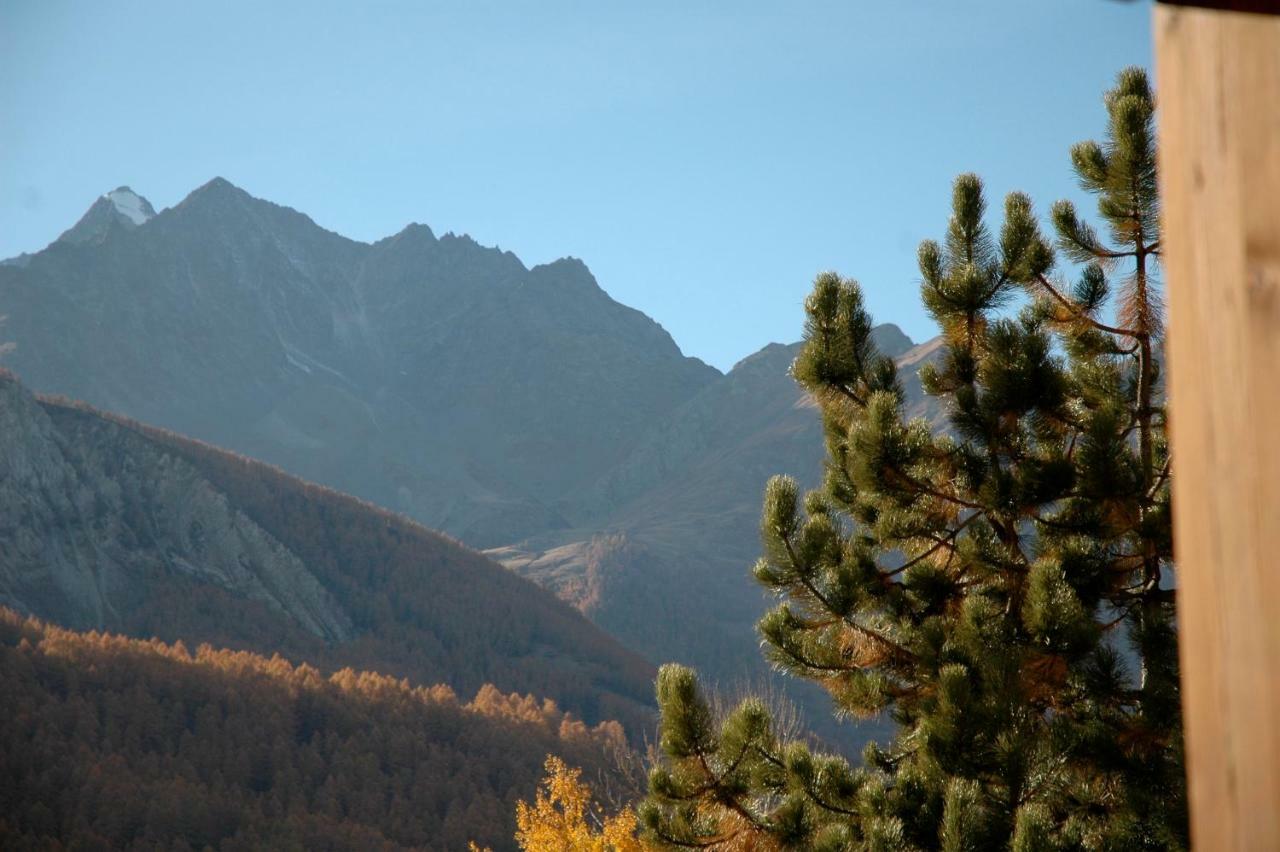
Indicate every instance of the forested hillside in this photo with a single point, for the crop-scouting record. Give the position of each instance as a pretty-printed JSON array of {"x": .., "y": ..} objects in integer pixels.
[
  {"x": 111, "y": 524},
  {"x": 112, "y": 743}
]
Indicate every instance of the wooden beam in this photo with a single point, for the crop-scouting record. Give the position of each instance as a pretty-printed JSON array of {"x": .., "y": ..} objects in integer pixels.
[
  {"x": 1218, "y": 84},
  {"x": 1260, "y": 7}
]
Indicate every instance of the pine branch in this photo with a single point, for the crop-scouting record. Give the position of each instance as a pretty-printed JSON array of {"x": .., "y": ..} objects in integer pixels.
[
  {"x": 932, "y": 492},
  {"x": 1071, "y": 306},
  {"x": 822, "y": 599},
  {"x": 946, "y": 541}
]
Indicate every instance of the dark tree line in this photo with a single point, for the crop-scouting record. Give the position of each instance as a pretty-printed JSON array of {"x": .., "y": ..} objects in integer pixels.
[{"x": 110, "y": 743}]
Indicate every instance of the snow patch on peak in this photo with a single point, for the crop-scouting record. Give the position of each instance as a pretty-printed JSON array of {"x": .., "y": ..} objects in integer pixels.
[{"x": 130, "y": 205}]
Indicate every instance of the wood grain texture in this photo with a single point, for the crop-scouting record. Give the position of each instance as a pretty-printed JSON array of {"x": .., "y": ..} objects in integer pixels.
[{"x": 1218, "y": 76}]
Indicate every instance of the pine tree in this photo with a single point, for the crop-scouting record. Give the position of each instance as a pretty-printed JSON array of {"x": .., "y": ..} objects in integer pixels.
[{"x": 1003, "y": 589}]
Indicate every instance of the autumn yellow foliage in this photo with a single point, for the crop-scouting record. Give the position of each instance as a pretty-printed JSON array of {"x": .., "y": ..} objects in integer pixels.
[{"x": 563, "y": 818}]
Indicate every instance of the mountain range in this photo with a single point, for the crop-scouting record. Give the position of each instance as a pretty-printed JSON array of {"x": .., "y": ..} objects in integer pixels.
[
  {"x": 521, "y": 410},
  {"x": 430, "y": 375}
]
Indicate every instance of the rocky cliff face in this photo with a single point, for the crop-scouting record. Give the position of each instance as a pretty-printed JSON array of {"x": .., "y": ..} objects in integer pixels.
[{"x": 93, "y": 515}]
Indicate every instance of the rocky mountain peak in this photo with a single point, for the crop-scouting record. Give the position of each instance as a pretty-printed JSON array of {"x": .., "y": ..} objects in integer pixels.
[
  {"x": 218, "y": 193},
  {"x": 217, "y": 185},
  {"x": 415, "y": 232},
  {"x": 121, "y": 207},
  {"x": 774, "y": 358},
  {"x": 568, "y": 267},
  {"x": 129, "y": 204},
  {"x": 891, "y": 340},
  {"x": 568, "y": 274}
]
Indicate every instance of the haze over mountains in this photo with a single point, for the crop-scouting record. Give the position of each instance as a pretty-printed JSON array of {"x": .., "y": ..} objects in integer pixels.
[{"x": 522, "y": 410}]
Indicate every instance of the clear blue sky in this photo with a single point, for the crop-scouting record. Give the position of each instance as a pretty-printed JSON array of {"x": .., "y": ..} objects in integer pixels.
[{"x": 704, "y": 159}]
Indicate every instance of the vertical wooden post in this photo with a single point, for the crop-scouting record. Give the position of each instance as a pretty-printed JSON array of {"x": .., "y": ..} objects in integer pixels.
[{"x": 1218, "y": 85}]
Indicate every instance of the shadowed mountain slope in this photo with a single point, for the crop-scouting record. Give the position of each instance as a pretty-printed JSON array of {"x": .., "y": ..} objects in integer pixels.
[{"x": 109, "y": 524}]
